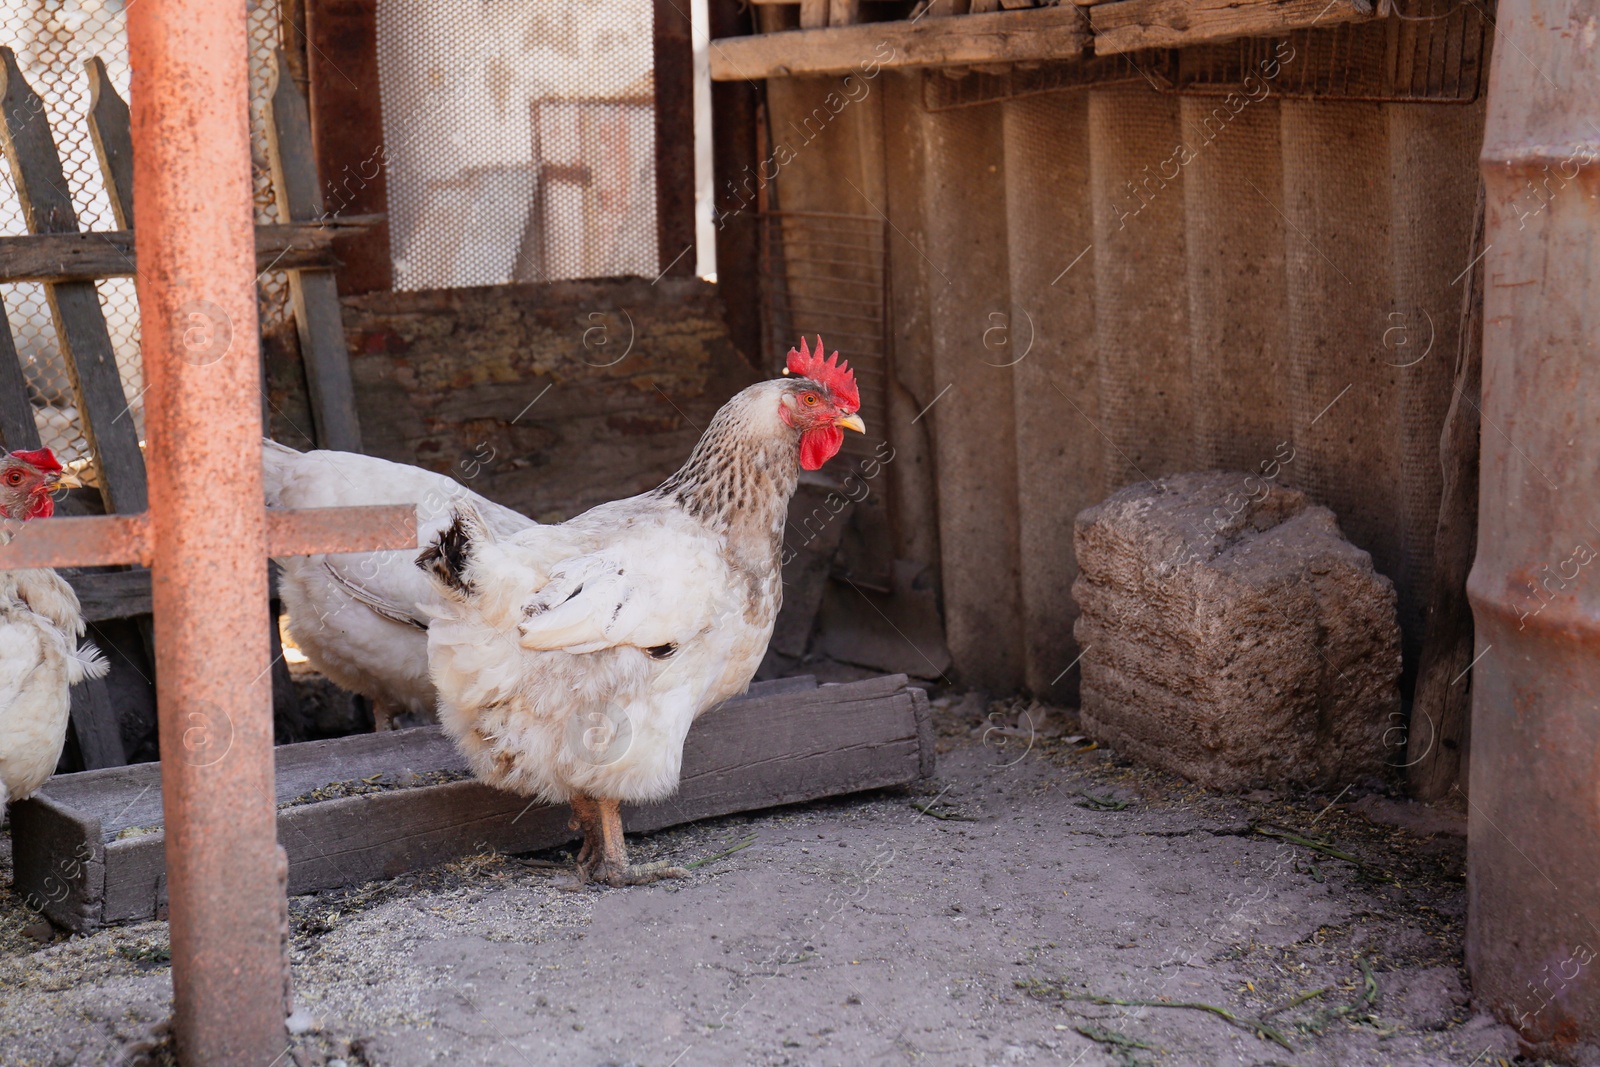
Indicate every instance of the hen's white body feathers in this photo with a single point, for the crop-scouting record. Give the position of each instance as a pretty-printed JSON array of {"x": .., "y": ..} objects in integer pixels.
[
  {"x": 381, "y": 653},
  {"x": 40, "y": 624},
  {"x": 572, "y": 659}
]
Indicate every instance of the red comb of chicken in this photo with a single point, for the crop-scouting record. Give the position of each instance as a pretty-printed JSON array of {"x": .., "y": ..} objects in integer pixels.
[
  {"x": 43, "y": 459},
  {"x": 829, "y": 373}
]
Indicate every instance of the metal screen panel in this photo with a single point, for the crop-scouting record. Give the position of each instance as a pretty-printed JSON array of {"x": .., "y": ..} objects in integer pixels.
[
  {"x": 519, "y": 140},
  {"x": 825, "y": 274}
]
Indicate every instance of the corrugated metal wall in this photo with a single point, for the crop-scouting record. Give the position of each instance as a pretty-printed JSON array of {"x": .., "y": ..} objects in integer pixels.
[{"x": 1093, "y": 287}]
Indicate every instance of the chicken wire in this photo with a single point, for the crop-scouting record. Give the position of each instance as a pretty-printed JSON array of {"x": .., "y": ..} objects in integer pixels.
[
  {"x": 52, "y": 40},
  {"x": 519, "y": 140},
  {"x": 826, "y": 274}
]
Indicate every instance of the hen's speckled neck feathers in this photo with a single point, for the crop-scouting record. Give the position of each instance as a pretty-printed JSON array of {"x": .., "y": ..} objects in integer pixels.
[{"x": 746, "y": 465}]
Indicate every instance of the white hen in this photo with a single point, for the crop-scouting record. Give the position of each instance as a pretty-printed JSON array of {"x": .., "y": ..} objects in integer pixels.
[
  {"x": 357, "y": 616},
  {"x": 40, "y": 624},
  {"x": 572, "y": 659}
]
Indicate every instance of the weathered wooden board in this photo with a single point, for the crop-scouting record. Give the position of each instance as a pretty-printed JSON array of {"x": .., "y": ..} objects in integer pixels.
[
  {"x": 66, "y": 257},
  {"x": 89, "y": 849},
  {"x": 110, "y": 129},
  {"x": 75, "y": 306},
  {"x": 119, "y": 594},
  {"x": 999, "y": 37},
  {"x": 18, "y": 429},
  {"x": 341, "y": 59},
  {"x": 1134, "y": 24},
  {"x": 314, "y": 293}
]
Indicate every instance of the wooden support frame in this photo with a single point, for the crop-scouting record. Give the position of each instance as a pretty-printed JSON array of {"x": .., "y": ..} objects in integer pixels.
[
  {"x": 62, "y": 257},
  {"x": 1129, "y": 25},
  {"x": 340, "y": 45},
  {"x": 70, "y": 263},
  {"x": 674, "y": 113},
  {"x": 1000, "y": 37},
  {"x": 315, "y": 294},
  {"x": 990, "y": 34},
  {"x": 89, "y": 847},
  {"x": 30, "y": 149}
]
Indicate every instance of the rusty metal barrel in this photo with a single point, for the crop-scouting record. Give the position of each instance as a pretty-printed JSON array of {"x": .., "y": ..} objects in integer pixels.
[{"x": 1533, "y": 941}]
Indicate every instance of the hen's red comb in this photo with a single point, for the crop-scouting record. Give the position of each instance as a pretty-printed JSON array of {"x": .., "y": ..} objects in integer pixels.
[
  {"x": 829, "y": 373},
  {"x": 43, "y": 459}
]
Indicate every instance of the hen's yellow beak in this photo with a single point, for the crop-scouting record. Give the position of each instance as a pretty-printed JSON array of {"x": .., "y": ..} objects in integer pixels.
[
  {"x": 68, "y": 480},
  {"x": 851, "y": 422}
]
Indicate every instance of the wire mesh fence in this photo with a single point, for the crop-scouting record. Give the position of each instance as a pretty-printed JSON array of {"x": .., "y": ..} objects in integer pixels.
[
  {"x": 530, "y": 155},
  {"x": 827, "y": 274},
  {"x": 52, "y": 41}
]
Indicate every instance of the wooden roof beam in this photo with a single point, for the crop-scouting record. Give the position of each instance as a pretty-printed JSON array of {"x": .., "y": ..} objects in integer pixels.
[
  {"x": 999, "y": 37},
  {"x": 1017, "y": 36},
  {"x": 1127, "y": 25}
]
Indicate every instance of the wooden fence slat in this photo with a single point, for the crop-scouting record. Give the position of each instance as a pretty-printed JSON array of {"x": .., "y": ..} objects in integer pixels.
[
  {"x": 318, "y": 317},
  {"x": 17, "y": 426},
  {"x": 62, "y": 257},
  {"x": 113, "y": 140},
  {"x": 80, "y": 325},
  {"x": 94, "y": 724}
]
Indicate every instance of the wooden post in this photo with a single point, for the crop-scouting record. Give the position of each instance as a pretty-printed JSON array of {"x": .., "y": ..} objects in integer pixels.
[
  {"x": 17, "y": 426},
  {"x": 314, "y": 293},
  {"x": 347, "y": 132},
  {"x": 1441, "y": 710},
  {"x": 674, "y": 78}
]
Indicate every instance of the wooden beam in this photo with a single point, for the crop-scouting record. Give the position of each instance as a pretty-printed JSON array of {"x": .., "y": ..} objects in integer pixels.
[
  {"x": 736, "y": 108},
  {"x": 63, "y": 257},
  {"x": 1133, "y": 24},
  {"x": 314, "y": 293},
  {"x": 674, "y": 118},
  {"x": 90, "y": 848},
  {"x": 347, "y": 132},
  {"x": 104, "y": 595},
  {"x": 1000, "y": 37},
  {"x": 110, "y": 130}
]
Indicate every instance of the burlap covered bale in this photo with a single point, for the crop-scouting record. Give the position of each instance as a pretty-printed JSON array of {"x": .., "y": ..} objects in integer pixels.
[{"x": 1233, "y": 635}]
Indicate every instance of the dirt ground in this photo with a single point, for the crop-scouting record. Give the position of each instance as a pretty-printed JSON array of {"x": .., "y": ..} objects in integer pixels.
[{"x": 996, "y": 915}]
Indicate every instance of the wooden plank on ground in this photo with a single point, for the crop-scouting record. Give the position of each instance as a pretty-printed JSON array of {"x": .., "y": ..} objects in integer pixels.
[
  {"x": 17, "y": 426},
  {"x": 314, "y": 293},
  {"x": 1133, "y": 24},
  {"x": 785, "y": 742},
  {"x": 80, "y": 325},
  {"x": 1000, "y": 37},
  {"x": 65, "y": 257}
]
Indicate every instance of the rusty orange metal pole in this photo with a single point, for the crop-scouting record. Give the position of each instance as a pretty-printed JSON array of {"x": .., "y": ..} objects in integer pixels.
[
  {"x": 1533, "y": 860},
  {"x": 193, "y": 217}
]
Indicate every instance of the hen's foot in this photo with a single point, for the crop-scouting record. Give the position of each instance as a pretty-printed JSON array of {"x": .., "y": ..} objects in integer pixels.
[{"x": 618, "y": 875}]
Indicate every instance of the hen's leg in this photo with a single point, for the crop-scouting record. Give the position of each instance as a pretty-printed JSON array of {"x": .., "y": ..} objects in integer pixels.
[
  {"x": 586, "y": 817},
  {"x": 382, "y": 716},
  {"x": 613, "y": 868}
]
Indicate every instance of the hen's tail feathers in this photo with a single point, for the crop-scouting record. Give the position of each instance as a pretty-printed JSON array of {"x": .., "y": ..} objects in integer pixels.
[
  {"x": 86, "y": 662},
  {"x": 448, "y": 556},
  {"x": 378, "y": 605},
  {"x": 276, "y": 463}
]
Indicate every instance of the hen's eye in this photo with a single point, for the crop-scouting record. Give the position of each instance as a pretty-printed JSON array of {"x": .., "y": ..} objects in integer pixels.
[
  {"x": 810, "y": 399},
  {"x": 14, "y": 478}
]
